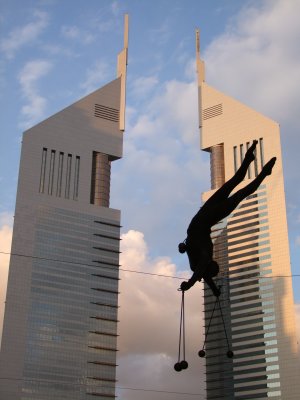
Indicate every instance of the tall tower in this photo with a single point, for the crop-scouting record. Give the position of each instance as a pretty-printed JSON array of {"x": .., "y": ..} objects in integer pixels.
[
  {"x": 251, "y": 246},
  {"x": 60, "y": 325}
]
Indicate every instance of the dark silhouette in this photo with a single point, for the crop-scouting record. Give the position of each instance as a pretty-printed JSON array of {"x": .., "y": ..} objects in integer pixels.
[{"x": 198, "y": 244}]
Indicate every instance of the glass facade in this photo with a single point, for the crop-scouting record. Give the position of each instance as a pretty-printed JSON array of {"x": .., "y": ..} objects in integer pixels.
[
  {"x": 242, "y": 249},
  {"x": 72, "y": 320}
]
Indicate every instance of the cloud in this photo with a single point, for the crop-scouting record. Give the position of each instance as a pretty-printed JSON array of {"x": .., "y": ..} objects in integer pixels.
[
  {"x": 143, "y": 85},
  {"x": 95, "y": 76},
  {"x": 297, "y": 314},
  {"x": 73, "y": 32},
  {"x": 5, "y": 241},
  {"x": 257, "y": 58},
  {"x": 116, "y": 8},
  {"x": 149, "y": 325},
  {"x": 24, "y": 35},
  {"x": 31, "y": 73},
  {"x": 161, "y": 34},
  {"x": 163, "y": 169}
]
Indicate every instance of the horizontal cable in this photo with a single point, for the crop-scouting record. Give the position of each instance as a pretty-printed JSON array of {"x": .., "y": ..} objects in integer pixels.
[
  {"x": 106, "y": 387},
  {"x": 149, "y": 273}
]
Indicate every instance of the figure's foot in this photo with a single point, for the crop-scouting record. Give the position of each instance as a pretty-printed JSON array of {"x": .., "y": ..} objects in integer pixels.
[
  {"x": 250, "y": 156},
  {"x": 267, "y": 169}
]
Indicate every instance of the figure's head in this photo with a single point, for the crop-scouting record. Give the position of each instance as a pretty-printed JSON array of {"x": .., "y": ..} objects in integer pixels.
[{"x": 182, "y": 247}]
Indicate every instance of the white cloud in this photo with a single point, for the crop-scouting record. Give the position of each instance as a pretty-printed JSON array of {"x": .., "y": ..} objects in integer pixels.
[
  {"x": 31, "y": 73},
  {"x": 95, "y": 76},
  {"x": 115, "y": 8},
  {"x": 297, "y": 314},
  {"x": 149, "y": 325},
  {"x": 5, "y": 243},
  {"x": 143, "y": 85},
  {"x": 161, "y": 34},
  {"x": 74, "y": 32},
  {"x": 24, "y": 35},
  {"x": 257, "y": 58},
  {"x": 163, "y": 169}
]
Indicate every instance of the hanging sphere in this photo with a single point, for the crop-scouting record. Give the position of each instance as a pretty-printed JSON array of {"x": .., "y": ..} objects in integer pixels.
[
  {"x": 201, "y": 353},
  {"x": 177, "y": 367},
  {"x": 184, "y": 364},
  {"x": 230, "y": 354}
]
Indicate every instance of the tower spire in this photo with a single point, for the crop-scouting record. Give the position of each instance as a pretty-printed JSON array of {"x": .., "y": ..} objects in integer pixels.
[
  {"x": 121, "y": 73},
  {"x": 199, "y": 63}
]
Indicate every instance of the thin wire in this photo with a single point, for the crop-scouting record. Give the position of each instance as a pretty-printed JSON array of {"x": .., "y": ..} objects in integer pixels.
[
  {"x": 180, "y": 327},
  {"x": 206, "y": 334},
  {"x": 91, "y": 265},
  {"x": 147, "y": 273},
  {"x": 104, "y": 387},
  {"x": 183, "y": 326},
  {"x": 218, "y": 300}
]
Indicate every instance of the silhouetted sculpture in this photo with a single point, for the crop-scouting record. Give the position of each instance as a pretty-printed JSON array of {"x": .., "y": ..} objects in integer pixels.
[{"x": 198, "y": 244}]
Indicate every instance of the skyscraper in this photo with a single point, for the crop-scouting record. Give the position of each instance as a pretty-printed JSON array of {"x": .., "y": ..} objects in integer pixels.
[
  {"x": 60, "y": 325},
  {"x": 252, "y": 248}
]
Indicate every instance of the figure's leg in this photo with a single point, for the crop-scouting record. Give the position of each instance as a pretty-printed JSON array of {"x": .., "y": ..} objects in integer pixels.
[
  {"x": 209, "y": 281},
  {"x": 226, "y": 208},
  {"x": 225, "y": 190}
]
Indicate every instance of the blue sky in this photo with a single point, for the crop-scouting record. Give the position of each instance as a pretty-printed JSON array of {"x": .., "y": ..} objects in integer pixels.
[{"x": 54, "y": 52}]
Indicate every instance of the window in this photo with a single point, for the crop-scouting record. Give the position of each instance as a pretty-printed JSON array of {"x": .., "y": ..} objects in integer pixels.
[
  {"x": 43, "y": 170},
  {"x": 68, "y": 176},
  {"x": 249, "y": 169},
  {"x": 235, "y": 158},
  {"x": 255, "y": 163},
  {"x": 261, "y": 147},
  {"x": 51, "y": 172},
  {"x": 241, "y": 152},
  {"x": 60, "y": 174},
  {"x": 76, "y": 178}
]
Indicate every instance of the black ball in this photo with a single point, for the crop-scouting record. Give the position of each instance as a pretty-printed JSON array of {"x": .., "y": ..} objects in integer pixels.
[
  {"x": 201, "y": 353},
  {"x": 184, "y": 364},
  {"x": 177, "y": 367},
  {"x": 230, "y": 354}
]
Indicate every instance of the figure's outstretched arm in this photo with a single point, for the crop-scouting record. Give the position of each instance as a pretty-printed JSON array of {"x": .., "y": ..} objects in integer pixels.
[{"x": 186, "y": 285}]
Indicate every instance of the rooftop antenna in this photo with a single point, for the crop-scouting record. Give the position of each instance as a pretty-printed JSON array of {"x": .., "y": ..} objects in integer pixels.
[
  {"x": 200, "y": 68},
  {"x": 121, "y": 73},
  {"x": 199, "y": 63}
]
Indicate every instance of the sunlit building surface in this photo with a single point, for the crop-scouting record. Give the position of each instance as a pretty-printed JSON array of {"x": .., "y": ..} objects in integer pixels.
[
  {"x": 60, "y": 326},
  {"x": 252, "y": 248}
]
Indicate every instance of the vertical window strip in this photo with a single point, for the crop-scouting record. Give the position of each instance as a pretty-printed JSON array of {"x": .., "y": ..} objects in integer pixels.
[
  {"x": 51, "y": 172},
  {"x": 249, "y": 168},
  {"x": 76, "y": 178},
  {"x": 241, "y": 152},
  {"x": 60, "y": 174},
  {"x": 261, "y": 147},
  {"x": 68, "y": 176},
  {"x": 255, "y": 163},
  {"x": 235, "y": 158},
  {"x": 43, "y": 170}
]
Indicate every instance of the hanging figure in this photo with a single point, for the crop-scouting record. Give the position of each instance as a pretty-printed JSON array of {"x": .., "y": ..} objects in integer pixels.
[{"x": 198, "y": 244}]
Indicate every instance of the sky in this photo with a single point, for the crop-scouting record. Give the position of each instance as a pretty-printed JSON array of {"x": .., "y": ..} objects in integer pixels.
[{"x": 54, "y": 52}]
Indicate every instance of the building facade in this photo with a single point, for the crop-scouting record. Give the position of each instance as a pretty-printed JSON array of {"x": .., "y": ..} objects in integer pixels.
[
  {"x": 60, "y": 325},
  {"x": 251, "y": 246}
]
